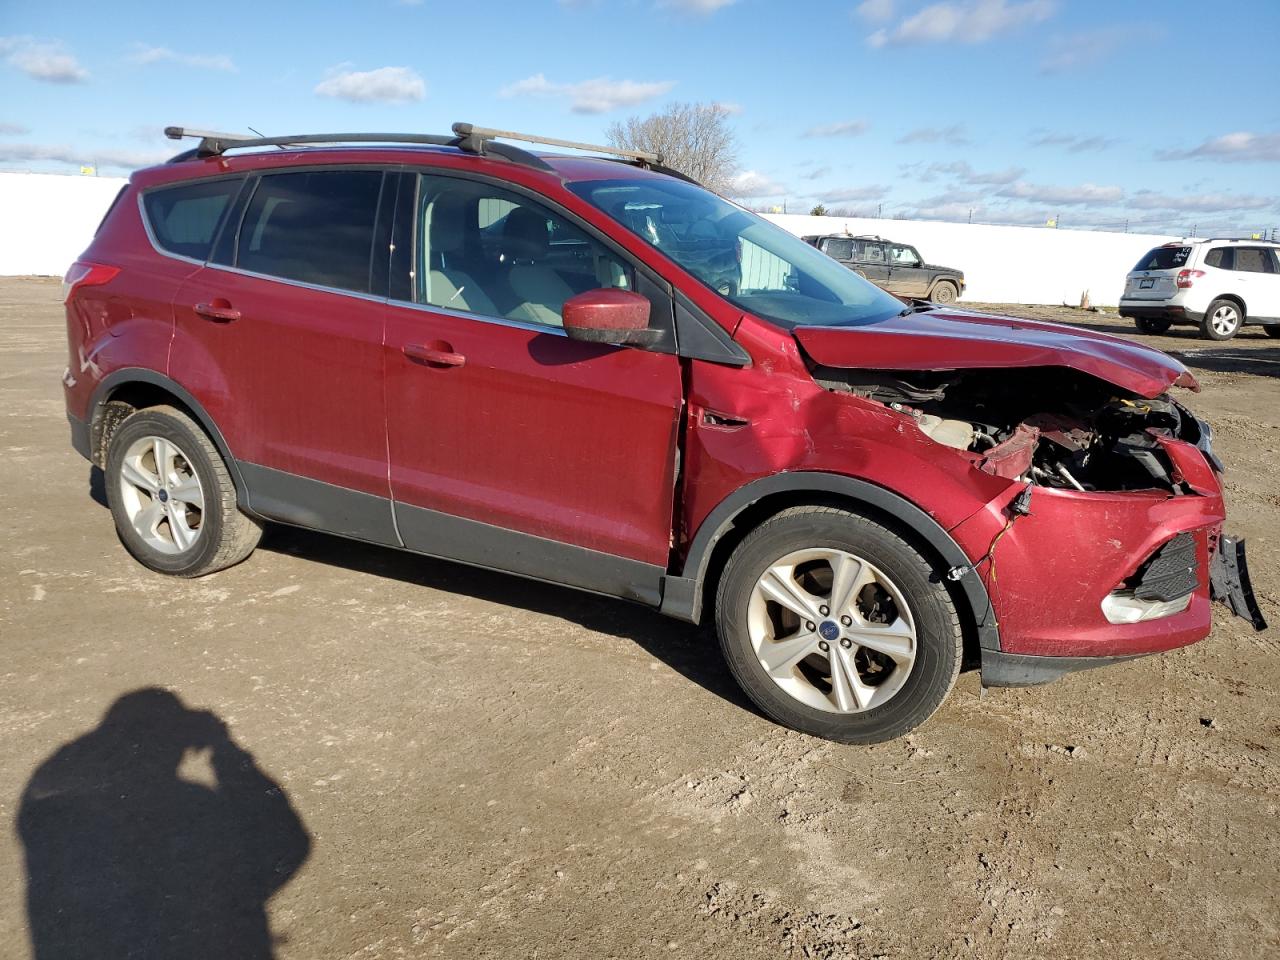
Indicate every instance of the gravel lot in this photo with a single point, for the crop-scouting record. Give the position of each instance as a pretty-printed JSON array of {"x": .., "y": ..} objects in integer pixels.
[{"x": 451, "y": 763}]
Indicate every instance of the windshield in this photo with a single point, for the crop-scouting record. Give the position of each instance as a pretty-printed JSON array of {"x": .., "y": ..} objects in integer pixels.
[{"x": 749, "y": 261}]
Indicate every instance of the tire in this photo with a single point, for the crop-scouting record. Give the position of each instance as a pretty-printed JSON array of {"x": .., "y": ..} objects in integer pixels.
[
  {"x": 888, "y": 698},
  {"x": 1222, "y": 320},
  {"x": 1272, "y": 330},
  {"x": 1153, "y": 325},
  {"x": 182, "y": 520},
  {"x": 944, "y": 291}
]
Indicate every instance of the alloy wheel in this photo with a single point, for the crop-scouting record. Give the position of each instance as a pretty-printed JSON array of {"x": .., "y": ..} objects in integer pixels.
[
  {"x": 161, "y": 494},
  {"x": 832, "y": 630}
]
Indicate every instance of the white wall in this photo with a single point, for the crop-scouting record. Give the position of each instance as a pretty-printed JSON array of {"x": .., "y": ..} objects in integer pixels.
[
  {"x": 46, "y": 219},
  {"x": 1007, "y": 264}
]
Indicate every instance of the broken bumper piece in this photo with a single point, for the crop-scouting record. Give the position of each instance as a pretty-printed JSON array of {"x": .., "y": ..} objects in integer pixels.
[{"x": 1229, "y": 581}]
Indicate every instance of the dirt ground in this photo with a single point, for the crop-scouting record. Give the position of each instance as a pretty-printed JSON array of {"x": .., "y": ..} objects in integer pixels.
[{"x": 470, "y": 765}]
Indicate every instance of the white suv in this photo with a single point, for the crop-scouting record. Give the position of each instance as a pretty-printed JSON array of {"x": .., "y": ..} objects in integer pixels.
[{"x": 1220, "y": 285}]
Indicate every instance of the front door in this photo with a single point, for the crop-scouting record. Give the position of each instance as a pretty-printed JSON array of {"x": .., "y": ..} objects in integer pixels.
[
  {"x": 282, "y": 344},
  {"x": 907, "y": 275},
  {"x": 512, "y": 446}
]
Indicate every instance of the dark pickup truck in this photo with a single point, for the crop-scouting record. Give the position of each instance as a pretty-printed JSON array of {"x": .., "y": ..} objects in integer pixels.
[{"x": 895, "y": 267}]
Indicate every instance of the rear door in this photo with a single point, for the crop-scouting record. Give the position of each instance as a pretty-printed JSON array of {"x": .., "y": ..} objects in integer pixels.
[
  {"x": 512, "y": 446},
  {"x": 281, "y": 339},
  {"x": 871, "y": 259},
  {"x": 1155, "y": 275},
  {"x": 1258, "y": 281}
]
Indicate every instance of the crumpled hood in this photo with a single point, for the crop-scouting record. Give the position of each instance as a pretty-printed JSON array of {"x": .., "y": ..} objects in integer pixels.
[{"x": 958, "y": 340}]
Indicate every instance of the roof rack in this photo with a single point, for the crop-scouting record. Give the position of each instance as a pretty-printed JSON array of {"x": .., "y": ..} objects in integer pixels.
[{"x": 466, "y": 136}]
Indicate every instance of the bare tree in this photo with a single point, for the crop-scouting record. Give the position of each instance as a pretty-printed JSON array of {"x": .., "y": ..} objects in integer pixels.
[{"x": 693, "y": 138}]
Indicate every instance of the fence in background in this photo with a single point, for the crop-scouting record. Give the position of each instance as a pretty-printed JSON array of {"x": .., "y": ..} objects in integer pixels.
[
  {"x": 1006, "y": 264},
  {"x": 48, "y": 219}
]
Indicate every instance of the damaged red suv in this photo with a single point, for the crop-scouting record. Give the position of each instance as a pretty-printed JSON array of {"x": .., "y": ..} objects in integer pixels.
[{"x": 592, "y": 372}]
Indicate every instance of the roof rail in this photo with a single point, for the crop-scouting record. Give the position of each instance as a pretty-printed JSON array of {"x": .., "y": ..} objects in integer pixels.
[
  {"x": 214, "y": 144},
  {"x": 473, "y": 138}
]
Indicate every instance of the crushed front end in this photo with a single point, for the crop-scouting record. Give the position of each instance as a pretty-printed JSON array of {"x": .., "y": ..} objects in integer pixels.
[{"x": 1107, "y": 543}]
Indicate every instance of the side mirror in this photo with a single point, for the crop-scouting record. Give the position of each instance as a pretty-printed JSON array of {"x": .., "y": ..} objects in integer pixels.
[{"x": 609, "y": 315}]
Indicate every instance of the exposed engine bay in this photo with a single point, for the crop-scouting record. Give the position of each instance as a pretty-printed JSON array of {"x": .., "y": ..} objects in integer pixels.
[{"x": 1049, "y": 426}]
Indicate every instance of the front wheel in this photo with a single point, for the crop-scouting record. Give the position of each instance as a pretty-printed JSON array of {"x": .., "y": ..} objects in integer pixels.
[
  {"x": 836, "y": 626},
  {"x": 944, "y": 291},
  {"x": 1154, "y": 325},
  {"x": 172, "y": 497},
  {"x": 1222, "y": 320}
]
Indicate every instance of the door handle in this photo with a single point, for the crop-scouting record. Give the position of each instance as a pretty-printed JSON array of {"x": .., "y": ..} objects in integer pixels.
[
  {"x": 436, "y": 354},
  {"x": 218, "y": 309}
]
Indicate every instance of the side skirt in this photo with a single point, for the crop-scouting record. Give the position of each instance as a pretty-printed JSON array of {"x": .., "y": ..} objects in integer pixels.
[{"x": 303, "y": 502}]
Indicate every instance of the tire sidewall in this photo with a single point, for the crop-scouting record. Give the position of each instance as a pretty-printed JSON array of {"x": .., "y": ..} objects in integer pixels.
[
  {"x": 951, "y": 292},
  {"x": 149, "y": 423},
  {"x": 1206, "y": 325},
  {"x": 933, "y": 671}
]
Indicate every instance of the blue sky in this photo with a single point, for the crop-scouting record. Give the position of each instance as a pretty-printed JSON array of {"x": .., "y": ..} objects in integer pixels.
[{"x": 1163, "y": 115}]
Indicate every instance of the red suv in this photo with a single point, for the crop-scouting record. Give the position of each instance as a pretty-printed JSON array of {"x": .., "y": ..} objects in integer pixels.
[{"x": 590, "y": 371}]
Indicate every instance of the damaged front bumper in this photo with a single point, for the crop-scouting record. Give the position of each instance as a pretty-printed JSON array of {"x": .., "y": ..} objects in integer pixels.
[{"x": 1229, "y": 581}]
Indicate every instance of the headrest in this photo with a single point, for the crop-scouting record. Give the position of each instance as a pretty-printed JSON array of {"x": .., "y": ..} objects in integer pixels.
[
  {"x": 448, "y": 223},
  {"x": 524, "y": 235}
]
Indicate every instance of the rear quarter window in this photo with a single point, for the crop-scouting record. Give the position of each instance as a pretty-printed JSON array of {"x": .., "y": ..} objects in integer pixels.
[
  {"x": 184, "y": 218},
  {"x": 1164, "y": 258}
]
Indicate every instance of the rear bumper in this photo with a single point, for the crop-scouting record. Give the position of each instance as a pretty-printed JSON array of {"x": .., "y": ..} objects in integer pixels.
[
  {"x": 1158, "y": 310},
  {"x": 79, "y": 436}
]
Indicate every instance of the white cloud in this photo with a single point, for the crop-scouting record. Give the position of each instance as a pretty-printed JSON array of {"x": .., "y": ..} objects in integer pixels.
[
  {"x": 599, "y": 95},
  {"x": 144, "y": 54},
  {"x": 1240, "y": 147},
  {"x": 962, "y": 171},
  {"x": 60, "y": 153},
  {"x": 750, "y": 184},
  {"x": 876, "y": 11},
  {"x": 384, "y": 85},
  {"x": 13, "y": 129},
  {"x": 974, "y": 21},
  {"x": 1199, "y": 203},
  {"x": 730, "y": 109},
  {"x": 954, "y": 135},
  {"x": 1064, "y": 196},
  {"x": 841, "y": 128},
  {"x": 1074, "y": 50},
  {"x": 42, "y": 60},
  {"x": 816, "y": 173},
  {"x": 871, "y": 192},
  {"x": 1073, "y": 143},
  {"x": 700, "y": 7}
]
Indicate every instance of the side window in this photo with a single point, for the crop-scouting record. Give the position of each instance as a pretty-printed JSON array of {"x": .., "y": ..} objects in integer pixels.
[
  {"x": 1253, "y": 260},
  {"x": 904, "y": 256},
  {"x": 490, "y": 251},
  {"x": 872, "y": 252},
  {"x": 1221, "y": 257},
  {"x": 315, "y": 227},
  {"x": 184, "y": 219},
  {"x": 838, "y": 248}
]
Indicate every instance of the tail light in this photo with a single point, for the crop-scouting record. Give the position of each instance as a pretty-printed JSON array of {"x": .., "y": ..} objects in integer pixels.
[
  {"x": 1187, "y": 277},
  {"x": 82, "y": 274}
]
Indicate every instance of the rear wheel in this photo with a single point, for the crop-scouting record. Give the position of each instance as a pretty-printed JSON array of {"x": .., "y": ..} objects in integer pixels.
[
  {"x": 836, "y": 626},
  {"x": 1222, "y": 320},
  {"x": 944, "y": 291},
  {"x": 1151, "y": 324},
  {"x": 172, "y": 498}
]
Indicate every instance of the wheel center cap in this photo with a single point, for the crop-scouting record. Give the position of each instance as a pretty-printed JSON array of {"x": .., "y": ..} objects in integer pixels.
[
  {"x": 829, "y": 630},
  {"x": 164, "y": 496}
]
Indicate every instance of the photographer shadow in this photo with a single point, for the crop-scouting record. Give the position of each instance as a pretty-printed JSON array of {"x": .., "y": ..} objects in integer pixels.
[{"x": 127, "y": 858}]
